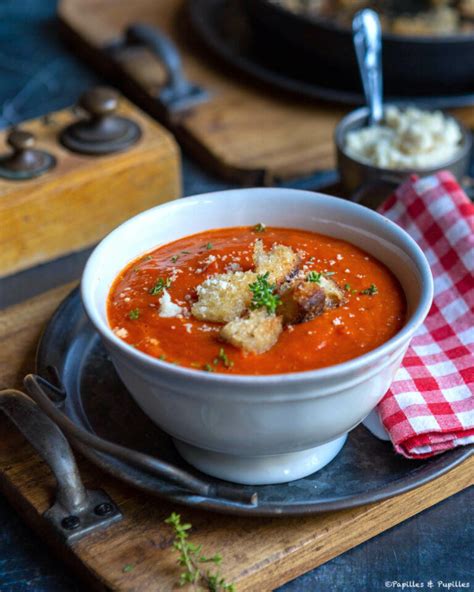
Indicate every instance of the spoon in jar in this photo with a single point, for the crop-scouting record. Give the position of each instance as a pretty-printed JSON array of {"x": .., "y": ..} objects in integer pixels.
[{"x": 367, "y": 36}]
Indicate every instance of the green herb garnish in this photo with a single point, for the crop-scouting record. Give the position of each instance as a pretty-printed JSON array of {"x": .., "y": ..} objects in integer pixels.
[
  {"x": 191, "y": 560},
  {"x": 209, "y": 246},
  {"x": 263, "y": 294},
  {"x": 222, "y": 357},
  {"x": 371, "y": 290},
  {"x": 160, "y": 285},
  {"x": 314, "y": 276},
  {"x": 134, "y": 314},
  {"x": 128, "y": 568},
  {"x": 347, "y": 287},
  {"x": 208, "y": 368},
  {"x": 260, "y": 227},
  {"x": 174, "y": 258},
  {"x": 147, "y": 258},
  {"x": 186, "y": 252},
  {"x": 162, "y": 357}
]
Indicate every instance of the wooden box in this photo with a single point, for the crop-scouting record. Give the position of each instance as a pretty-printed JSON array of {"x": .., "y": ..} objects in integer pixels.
[{"x": 83, "y": 197}]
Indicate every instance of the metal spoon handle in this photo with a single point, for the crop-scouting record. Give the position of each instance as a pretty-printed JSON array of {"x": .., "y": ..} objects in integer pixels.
[{"x": 368, "y": 45}]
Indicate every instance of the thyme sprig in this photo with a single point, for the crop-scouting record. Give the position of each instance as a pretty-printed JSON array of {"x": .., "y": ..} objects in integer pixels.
[
  {"x": 193, "y": 561},
  {"x": 264, "y": 294}
]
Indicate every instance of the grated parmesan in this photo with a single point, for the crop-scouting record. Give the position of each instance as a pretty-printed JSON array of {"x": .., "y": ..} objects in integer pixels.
[{"x": 168, "y": 308}]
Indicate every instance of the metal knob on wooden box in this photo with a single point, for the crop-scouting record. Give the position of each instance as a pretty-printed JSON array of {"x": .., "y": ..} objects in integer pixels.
[{"x": 56, "y": 200}]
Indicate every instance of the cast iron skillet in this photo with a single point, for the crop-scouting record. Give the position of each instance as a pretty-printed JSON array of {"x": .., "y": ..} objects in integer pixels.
[{"x": 412, "y": 65}]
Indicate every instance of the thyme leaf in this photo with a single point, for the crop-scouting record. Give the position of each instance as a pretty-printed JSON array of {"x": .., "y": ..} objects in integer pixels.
[
  {"x": 159, "y": 286},
  {"x": 371, "y": 290},
  {"x": 314, "y": 276},
  {"x": 134, "y": 314}
]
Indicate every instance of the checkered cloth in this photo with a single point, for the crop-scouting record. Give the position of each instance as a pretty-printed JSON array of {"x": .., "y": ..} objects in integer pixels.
[{"x": 430, "y": 406}]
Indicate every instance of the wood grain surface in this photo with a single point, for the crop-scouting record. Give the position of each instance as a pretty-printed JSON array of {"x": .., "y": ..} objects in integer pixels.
[
  {"x": 84, "y": 197},
  {"x": 259, "y": 553},
  {"x": 247, "y": 132}
]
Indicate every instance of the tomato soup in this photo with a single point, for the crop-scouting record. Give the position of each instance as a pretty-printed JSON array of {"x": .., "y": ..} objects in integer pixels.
[{"x": 373, "y": 312}]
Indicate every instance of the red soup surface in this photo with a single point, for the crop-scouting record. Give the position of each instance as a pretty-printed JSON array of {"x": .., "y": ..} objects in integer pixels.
[{"x": 374, "y": 311}]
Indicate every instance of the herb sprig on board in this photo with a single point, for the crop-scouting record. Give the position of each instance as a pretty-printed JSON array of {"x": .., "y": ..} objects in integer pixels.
[
  {"x": 264, "y": 294},
  {"x": 194, "y": 562}
]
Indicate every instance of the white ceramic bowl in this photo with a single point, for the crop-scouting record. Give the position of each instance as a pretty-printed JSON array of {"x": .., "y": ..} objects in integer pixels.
[{"x": 258, "y": 429}]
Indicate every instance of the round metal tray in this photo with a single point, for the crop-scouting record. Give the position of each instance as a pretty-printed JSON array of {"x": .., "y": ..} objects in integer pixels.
[
  {"x": 365, "y": 471},
  {"x": 224, "y": 27}
]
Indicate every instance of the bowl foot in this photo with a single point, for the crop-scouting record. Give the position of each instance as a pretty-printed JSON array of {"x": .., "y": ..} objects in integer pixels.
[{"x": 261, "y": 470}]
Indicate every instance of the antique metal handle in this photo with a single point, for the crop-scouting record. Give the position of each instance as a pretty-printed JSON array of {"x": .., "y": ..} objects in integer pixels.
[
  {"x": 35, "y": 386},
  {"x": 76, "y": 511},
  {"x": 179, "y": 94}
]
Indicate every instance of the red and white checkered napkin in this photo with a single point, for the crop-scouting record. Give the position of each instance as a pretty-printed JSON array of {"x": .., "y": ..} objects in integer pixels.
[{"x": 430, "y": 405}]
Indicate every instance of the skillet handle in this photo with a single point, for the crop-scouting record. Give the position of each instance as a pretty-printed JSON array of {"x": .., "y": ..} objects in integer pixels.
[
  {"x": 179, "y": 94},
  {"x": 76, "y": 511}
]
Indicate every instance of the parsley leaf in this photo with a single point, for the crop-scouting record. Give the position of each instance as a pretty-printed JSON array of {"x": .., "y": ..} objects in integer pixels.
[
  {"x": 134, "y": 314},
  {"x": 260, "y": 227}
]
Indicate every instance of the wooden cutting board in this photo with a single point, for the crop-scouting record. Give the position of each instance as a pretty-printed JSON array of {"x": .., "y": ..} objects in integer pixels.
[
  {"x": 247, "y": 132},
  {"x": 259, "y": 553}
]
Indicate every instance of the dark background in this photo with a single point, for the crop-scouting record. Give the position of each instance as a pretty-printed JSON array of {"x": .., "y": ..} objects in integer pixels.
[{"x": 37, "y": 75}]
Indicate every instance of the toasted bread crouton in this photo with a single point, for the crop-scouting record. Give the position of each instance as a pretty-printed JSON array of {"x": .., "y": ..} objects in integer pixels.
[
  {"x": 280, "y": 262},
  {"x": 256, "y": 333},
  {"x": 303, "y": 300},
  {"x": 223, "y": 297},
  {"x": 335, "y": 295}
]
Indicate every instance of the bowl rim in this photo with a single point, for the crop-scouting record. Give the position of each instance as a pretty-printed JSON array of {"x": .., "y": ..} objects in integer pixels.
[
  {"x": 320, "y": 374},
  {"x": 356, "y": 115}
]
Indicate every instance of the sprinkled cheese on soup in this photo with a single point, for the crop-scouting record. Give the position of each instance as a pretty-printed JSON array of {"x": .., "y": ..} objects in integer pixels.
[{"x": 256, "y": 300}]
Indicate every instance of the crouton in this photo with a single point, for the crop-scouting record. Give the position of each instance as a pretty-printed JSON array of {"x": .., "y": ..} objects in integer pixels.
[
  {"x": 335, "y": 295},
  {"x": 302, "y": 301},
  {"x": 280, "y": 262},
  {"x": 223, "y": 297},
  {"x": 256, "y": 333}
]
